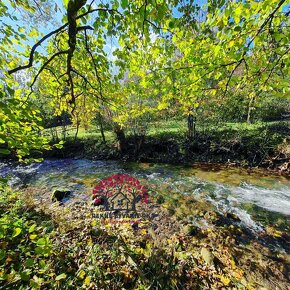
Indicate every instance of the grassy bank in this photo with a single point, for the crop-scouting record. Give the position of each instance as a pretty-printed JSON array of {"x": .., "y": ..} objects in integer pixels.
[{"x": 249, "y": 145}]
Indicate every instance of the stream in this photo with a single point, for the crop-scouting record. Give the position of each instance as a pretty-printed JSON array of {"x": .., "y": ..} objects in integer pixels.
[{"x": 258, "y": 199}]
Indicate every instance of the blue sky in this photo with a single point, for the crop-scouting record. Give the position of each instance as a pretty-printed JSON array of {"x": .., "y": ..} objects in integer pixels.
[{"x": 45, "y": 27}]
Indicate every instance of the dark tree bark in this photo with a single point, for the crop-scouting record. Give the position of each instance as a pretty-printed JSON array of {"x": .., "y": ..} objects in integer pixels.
[
  {"x": 120, "y": 137},
  {"x": 77, "y": 130},
  {"x": 102, "y": 128},
  {"x": 72, "y": 12},
  {"x": 191, "y": 126}
]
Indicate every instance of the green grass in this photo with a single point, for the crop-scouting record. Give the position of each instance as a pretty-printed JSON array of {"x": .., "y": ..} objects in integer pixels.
[
  {"x": 91, "y": 132},
  {"x": 170, "y": 127},
  {"x": 174, "y": 128}
]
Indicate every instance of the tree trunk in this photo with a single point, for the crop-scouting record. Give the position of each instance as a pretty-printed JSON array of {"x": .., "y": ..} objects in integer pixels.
[
  {"x": 52, "y": 134},
  {"x": 102, "y": 128},
  {"x": 120, "y": 137},
  {"x": 191, "y": 126},
  {"x": 63, "y": 121},
  {"x": 250, "y": 109},
  {"x": 56, "y": 134},
  {"x": 77, "y": 130}
]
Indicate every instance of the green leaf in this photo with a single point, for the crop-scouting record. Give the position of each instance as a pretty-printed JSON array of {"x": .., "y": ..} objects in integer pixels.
[
  {"x": 124, "y": 3},
  {"x": 25, "y": 276},
  {"x": 16, "y": 232},
  {"x": 29, "y": 263},
  {"x": 42, "y": 264},
  {"x": 10, "y": 91},
  {"x": 34, "y": 284},
  {"x": 65, "y": 2},
  {"x": 2, "y": 254},
  {"x": 41, "y": 242},
  {"x": 32, "y": 228},
  {"x": 60, "y": 277},
  {"x": 171, "y": 24}
]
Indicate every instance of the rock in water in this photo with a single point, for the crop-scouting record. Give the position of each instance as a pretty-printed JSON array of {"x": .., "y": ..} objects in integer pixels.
[
  {"x": 232, "y": 216},
  {"x": 207, "y": 256},
  {"x": 60, "y": 194}
]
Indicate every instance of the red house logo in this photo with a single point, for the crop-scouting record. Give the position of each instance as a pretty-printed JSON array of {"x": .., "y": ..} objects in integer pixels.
[{"x": 120, "y": 192}]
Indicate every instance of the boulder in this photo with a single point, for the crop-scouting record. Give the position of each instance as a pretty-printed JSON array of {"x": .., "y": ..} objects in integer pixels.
[{"x": 60, "y": 194}]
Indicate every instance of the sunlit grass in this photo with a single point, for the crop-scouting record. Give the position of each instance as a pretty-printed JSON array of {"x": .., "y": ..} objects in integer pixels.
[{"x": 155, "y": 129}]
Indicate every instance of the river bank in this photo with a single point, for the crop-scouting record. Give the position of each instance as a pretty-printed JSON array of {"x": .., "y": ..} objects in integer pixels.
[
  {"x": 220, "y": 229},
  {"x": 250, "y": 146},
  {"x": 272, "y": 155}
]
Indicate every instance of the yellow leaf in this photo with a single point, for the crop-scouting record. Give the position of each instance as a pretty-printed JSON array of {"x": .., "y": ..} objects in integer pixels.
[
  {"x": 233, "y": 263},
  {"x": 277, "y": 234},
  {"x": 139, "y": 250},
  {"x": 32, "y": 237},
  {"x": 231, "y": 43},
  {"x": 87, "y": 280},
  {"x": 82, "y": 274},
  {"x": 225, "y": 280},
  {"x": 33, "y": 33}
]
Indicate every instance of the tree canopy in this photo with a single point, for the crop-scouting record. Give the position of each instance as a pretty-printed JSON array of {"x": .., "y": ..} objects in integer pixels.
[{"x": 164, "y": 54}]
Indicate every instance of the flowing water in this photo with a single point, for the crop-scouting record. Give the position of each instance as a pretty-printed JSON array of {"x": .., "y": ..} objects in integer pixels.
[{"x": 258, "y": 199}]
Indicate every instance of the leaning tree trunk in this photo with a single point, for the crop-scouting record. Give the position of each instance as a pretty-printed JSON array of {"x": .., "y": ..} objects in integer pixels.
[{"x": 120, "y": 137}]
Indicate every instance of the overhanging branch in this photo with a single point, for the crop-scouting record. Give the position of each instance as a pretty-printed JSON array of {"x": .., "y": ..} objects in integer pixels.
[
  {"x": 46, "y": 64},
  {"x": 33, "y": 49},
  {"x": 60, "y": 29},
  {"x": 95, "y": 65}
]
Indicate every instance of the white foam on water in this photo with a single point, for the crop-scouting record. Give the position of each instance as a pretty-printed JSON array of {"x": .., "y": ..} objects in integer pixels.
[
  {"x": 230, "y": 204},
  {"x": 277, "y": 200},
  {"x": 152, "y": 175},
  {"x": 225, "y": 197}
]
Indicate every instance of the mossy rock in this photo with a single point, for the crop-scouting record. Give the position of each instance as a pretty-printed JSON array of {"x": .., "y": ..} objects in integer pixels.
[
  {"x": 232, "y": 216},
  {"x": 60, "y": 194}
]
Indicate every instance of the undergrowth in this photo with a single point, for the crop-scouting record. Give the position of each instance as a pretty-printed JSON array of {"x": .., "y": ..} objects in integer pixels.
[{"x": 51, "y": 246}]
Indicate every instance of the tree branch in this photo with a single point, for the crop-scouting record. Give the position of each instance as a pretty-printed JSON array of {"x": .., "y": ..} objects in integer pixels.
[
  {"x": 269, "y": 18},
  {"x": 46, "y": 64},
  {"x": 95, "y": 65},
  {"x": 85, "y": 79},
  {"x": 36, "y": 45},
  {"x": 238, "y": 63},
  {"x": 87, "y": 27}
]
